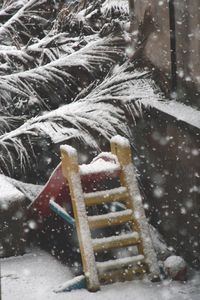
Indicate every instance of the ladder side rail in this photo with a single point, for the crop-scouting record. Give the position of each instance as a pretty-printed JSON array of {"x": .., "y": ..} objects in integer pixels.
[
  {"x": 121, "y": 148},
  {"x": 70, "y": 170},
  {"x": 123, "y": 153}
]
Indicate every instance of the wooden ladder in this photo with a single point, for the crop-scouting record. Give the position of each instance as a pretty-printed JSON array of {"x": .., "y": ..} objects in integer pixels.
[{"x": 120, "y": 269}]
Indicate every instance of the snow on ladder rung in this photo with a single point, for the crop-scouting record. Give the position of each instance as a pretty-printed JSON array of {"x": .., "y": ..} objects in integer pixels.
[
  {"x": 101, "y": 167},
  {"x": 124, "y": 240},
  {"x": 101, "y": 197},
  {"x": 110, "y": 219},
  {"x": 119, "y": 263}
]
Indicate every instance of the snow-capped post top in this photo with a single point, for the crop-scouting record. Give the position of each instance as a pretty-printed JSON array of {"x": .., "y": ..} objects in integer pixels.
[
  {"x": 71, "y": 171},
  {"x": 121, "y": 141},
  {"x": 69, "y": 159},
  {"x": 121, "y": 147},
  {"x": 70, "y": 150}
]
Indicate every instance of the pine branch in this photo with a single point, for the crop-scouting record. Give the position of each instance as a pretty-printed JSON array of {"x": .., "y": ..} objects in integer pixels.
[
  {"x": 9, "y": 123},
  {"x": 104, "y": 112},
  {"x": 59, "y": 82},
  {"x": 115, "y": 8},
  {"x": 40, "y": 53},
  {"x": 89, "y": 19},
  {"x": 30, "y": 18},
  {"x": 9, "y": 8}
]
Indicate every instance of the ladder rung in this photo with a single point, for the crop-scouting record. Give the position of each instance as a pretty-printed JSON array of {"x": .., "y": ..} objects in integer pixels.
[
  {"x": 112, "y": 242},
  {"x": 110, "y": 219},
  {"x": 105, "y": 167},
  {"x": 127, "y": 274},
  {"x": 119, "y": 263},
  {"x": 106, "y": 196}
]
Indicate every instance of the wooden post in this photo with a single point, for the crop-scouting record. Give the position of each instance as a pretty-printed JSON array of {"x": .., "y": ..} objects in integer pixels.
[
  {"x": 70, "y": 170},
  {"x": 120, "y": 147}
]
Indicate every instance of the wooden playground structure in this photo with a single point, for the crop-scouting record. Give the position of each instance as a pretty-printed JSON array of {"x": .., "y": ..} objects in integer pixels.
[{"x": 119, "y": 269}]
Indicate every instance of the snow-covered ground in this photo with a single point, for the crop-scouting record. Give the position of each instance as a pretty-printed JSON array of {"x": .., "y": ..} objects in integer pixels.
[{"x": 35, "y": 275}]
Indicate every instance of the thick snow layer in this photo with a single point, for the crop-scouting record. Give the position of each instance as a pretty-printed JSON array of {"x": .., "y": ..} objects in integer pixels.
[
  {"x": 104, "y": 162},
  {"x": 34, "y": 276},
  {"x": 8, "y": 193},
  {"x": 107, "y": 156},
  {"x": 68, "y": 149},
  {"x": 98, "y": 166},
  {"x": 30, "y": 191},
  {"x": 179, "y": 111},
  {"x": 118, "y": 139}
]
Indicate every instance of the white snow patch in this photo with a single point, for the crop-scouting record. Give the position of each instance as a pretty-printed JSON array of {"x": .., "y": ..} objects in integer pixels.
[
  {"x": 107, "y": 156},
  {"x": 34, "y": 276},
  {"x": 70, "y": 150},
  {"x": 69, "y": 283},
  {"x": 104, "y": 162},
  {"x": 98, "y": 166},
  {"x": 176, "y": 109},
  {"x": 120, "y": 140},
  {"x": 8, "y": 193}
]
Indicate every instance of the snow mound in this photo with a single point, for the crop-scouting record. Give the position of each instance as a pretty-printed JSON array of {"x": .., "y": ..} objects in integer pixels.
[
  {"x": 9, "y": 193},
  {"x": 174, "y": 264}
]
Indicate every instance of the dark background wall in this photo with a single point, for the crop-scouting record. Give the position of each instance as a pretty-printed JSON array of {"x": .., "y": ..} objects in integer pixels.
[
  {"x": 168, "y": 159},
  {"x": 168, "y": 150},
  {"x": 178, "y": 22}
]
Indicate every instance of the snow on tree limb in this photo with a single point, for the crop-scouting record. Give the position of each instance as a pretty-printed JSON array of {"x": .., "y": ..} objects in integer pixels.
[
  {"x": 19, "y": 24},
  {"x": 61, "y": 80},
  {"x": 103, "y": 112}
]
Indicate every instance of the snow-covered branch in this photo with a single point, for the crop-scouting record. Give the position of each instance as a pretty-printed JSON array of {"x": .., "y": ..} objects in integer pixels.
[
  {"x": 104, "y": 112},
  {"x": 61, "y": 80}
]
